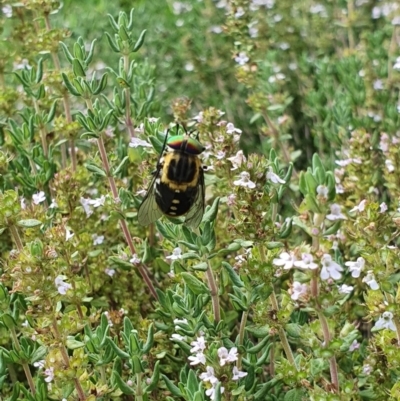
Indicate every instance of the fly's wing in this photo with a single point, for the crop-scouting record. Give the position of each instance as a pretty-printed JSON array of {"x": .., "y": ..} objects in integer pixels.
[
  {"x": 148, "y": 211},
  {"x": 195, "y": 214}
]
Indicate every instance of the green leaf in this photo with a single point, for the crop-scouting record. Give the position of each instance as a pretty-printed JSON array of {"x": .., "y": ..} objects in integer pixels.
[
  {"x": 211, "y": 212},
  {"x": 123, "y": 264},
  {"x": 71, "y": 88},
  {"x": 78, "y": 69},
  {"x": 171, "y": 387},
  {"x": 234, "y": 277},
  {"x": 257, "y": 348},
  {"x": 295, "y": 395},
  {"x": 139, "y": 42},
  {"x": 195, "y": 285},
  {"x": 71, "y": 343},
  {"x": 28, "y": 223},
  {"x": 95, "y": 169},
  {"x": 8, "y": 321},
  {"x": 155, "y": 378},
  {"x": 102, "y": 85},
  {"x": 121, "y": 384}
]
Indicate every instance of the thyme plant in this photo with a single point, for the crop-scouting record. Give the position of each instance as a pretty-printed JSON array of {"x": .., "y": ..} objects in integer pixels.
[{"x": 288, "y": 290}]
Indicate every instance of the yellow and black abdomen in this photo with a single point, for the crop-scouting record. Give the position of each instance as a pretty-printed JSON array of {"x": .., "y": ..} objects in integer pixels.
[{"x": 178, "y": 184}]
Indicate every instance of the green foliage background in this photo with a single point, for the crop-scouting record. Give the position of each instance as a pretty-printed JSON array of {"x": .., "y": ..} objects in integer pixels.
[{"x": 294, "y": 268}]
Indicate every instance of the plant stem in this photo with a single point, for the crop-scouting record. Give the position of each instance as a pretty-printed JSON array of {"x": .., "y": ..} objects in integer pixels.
[
  {"x": 64, "y": 354},
  {"x": 25, "y": 366},
  {"x": 242, "y": 327},
  {"x": 67, "y": 109},
  {"x": 17, "y": 238},
  {"x": 128, "y": 119},
  {"x": 214, "y": 292},
  {"x": 275, "y": 307},
  {"x": 318, "y": 223},
  {"x": 104, "y": 158},
  {"x": 397, "y": 325},
  {"x": 350, "y": 16}
]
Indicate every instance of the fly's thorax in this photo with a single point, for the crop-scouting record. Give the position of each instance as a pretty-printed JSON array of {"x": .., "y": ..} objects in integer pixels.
[
  {"x": 180, "y": 171},
  {"x": 185, "y": 144}
]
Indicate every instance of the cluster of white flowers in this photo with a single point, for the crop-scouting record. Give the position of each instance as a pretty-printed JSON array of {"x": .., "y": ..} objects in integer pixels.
[
  {"x": 198, "y": 357},
  {"x": 87, "y": 204}
]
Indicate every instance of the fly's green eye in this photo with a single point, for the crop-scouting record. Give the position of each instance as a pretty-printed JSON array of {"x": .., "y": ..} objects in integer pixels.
[{"x": 186, "y": 144}]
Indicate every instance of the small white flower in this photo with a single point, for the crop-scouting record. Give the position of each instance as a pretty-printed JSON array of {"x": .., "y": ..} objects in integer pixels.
[
  {"x": 354, "y": 345},
  {"x": 318, "y": 9},
  {"x": 322, "y": 191},
  {"x": 198, "y": 345},
  {"x": 336, "y": 213},
  {"x": 389, "y": 165},
  {"x": 345, "y": 289},
  {"x": 231, "y": 201},
  {"x": 25, "y": 323},
  {"x": 385, "y": 322},
  {"x": 38, "y": 198},
  {"x": 86, "y": 206},
  {"x": 367, "y": 369},
  {"x": 253, "y": 31},
  {"x": 139, "y": 129},
  {"x": 98, "y": 201},
  {"x": 396, "y": 66},
  {"x": 49, "y": 374},
  {"x": 220, "y": 155},
  {"x": 370, "y": 280},
  {"x": 356, "y": 267},
  {"x": 216, "y": 29},
  {"x": 177, "y": 337},
  {"x": 330, "y": 269},
  {"x": 62, "y": 286},
  {"x": 135, "y": 260},
  {"x": 360, "y": 207},
  {"x": 176, "y": 254},
  {"x": 225, "y": 356},
  {"x": 274, "y": 178},
  {"x": 306, "y": 262},
  {"x": 136, "y": 142},
  {"x": 53, "y": 204},
  {"x": 239, "y": 12},
  {"x": 230, "y": 129},
  {"x": 198, "y": 358},
  {"x": 109, "y": 272},
  {"x": 298, "y": 290},
  {"x": 209, "y": 375},
  {"x": 237, "y": 374},
  {"x": 237, "y": 160},
  {"x": 199, "y": 117},
  {"x": 22, "y": 203},
  {"x": 97, "y": 239},
  {"x": 286, "y": 260},
  {"x": 211, "y": 391},
  {"x": 383, "y": 207},
  {"x": 244, "y": 181},
  {"x": 179, "y": 322},
  {"x": 242, "y": 58},
  {"x": 396, "y": 20},
  {"x": 39, "y": 364},
  {"x": 7, "y": 10},
  {"x": 68, "y": 234},
  {"x": 189, "y": 66},
  {"x": 378, "y": 84}
]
